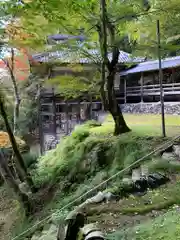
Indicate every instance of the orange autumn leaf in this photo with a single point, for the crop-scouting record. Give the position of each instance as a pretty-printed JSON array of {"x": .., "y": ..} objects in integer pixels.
[{"x": 5, "y": 141}]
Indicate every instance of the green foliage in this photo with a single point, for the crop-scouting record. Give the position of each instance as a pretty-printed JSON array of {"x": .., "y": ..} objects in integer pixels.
[
  {"x": 145, "y": 28},
  {"x": 60, "y": 161},
  {"x": 82, "y": 155},
  {"x": 92, "y": 123},
  {"x": 30, "y": 160},
  {"x": 164, "y": 166},
  {"x": 164, "y": 227}
]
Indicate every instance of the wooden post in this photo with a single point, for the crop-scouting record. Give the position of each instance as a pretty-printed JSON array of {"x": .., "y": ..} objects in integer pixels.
[
  {"x": 125, "y": 91},
  {"x": 142, "y": 84},
  {"x": 67, "y": 118},
  {"x": 79, "y": 112},
  {"x": 161, "y": 80},
  {"x": 173, "y": 78},
  {"x": 41, "y": 141},
  {"x": 54, "y": 115}
]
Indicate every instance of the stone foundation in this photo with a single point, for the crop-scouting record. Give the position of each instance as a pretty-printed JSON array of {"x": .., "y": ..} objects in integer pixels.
[{"x": 152, "y": 108}]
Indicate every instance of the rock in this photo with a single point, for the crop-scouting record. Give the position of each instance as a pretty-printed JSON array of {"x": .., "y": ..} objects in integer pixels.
[
  {"x": 127, "y": 181},
  {"x": 46, "y": 227},
  {"x": 155, "y": 108},
  {"x": 53, "y": 229},
  {"x": 36, "y": 236},
  {"x": 25, "y": 188},
  {"x": 159, "y": 178},
  {"x": 136, "y": 174},
  {"x": 176, "y": 149},
  {"x": 99, "y": 197},
  {"x": 144, "y": 170},
  {"x": 49, "y": 234},
  {"x": 61, "y": 232},
  {"x": 110, "y": 196},
  {"x": 168, "y": 156}
]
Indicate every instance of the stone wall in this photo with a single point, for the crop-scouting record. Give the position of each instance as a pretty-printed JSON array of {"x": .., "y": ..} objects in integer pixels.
[{"x": 172, "y": 108}]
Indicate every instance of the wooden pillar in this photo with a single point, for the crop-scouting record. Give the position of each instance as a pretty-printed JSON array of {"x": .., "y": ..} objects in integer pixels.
[
  {"x": 173, "y": 78},
  {"x": 79, "y": 112},
  {"x": 41, "y": 140},
  {"x": 142, "y": 84},
  {"x": 67, "y": 118},
  {"x": 91, "y": 113},
  {"x": 125, "y": 90},
  {"x": 54, "y": 115}
]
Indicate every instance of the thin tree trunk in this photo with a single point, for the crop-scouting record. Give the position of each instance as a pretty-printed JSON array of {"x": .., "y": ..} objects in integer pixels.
[
  {"x": 8, "y": 177},
  {"x": 19, "y": 158},
  {"x": 16, "y": 92}
]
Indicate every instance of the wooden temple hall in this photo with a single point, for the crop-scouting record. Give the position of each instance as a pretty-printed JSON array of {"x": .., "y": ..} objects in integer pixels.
[{"x": 140, "y": 83}]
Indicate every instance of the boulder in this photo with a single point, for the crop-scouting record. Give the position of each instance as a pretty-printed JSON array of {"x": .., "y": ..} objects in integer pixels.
[
  {"x": 136, "y": 174},
  {"x": 144, "y": 170},
  {"x": 176, "y": 149},
  {"x": 168, "y": 156},
  {"x": 36, "y": 236},
  {"x": 99, "y": 197},
  {"x": 50, "y": 233},
  {"x": 25, "y": 188}
]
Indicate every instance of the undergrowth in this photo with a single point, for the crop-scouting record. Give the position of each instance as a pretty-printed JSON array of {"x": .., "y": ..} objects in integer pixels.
[
  {"x": 83, "y": 154},
  {"x": 164, "y": 227}
]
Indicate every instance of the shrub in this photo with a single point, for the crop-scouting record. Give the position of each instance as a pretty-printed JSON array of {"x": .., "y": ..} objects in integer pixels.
[
  {"x": 82, "y": 155},
  {"x": 164, "y": 166},
  {"x": 92, "y": 123},
  {"x": 58, "y": 162},
  {"x": 30, "y": 160}
]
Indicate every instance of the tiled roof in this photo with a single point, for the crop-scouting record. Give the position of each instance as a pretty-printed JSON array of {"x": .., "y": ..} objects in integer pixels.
[
  {"x": 153, "y": 65},
  {"x": 69, "y": 56},
  {"x": 59, "y": 37},
  {"x": 78, "y": 57}
]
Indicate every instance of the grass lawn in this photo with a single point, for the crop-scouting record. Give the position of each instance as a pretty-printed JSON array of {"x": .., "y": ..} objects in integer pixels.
[{"x": 143, "y": 124}]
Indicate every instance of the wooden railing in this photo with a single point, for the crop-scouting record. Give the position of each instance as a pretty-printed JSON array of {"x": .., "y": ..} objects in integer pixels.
[{"x": 169, "y": 89}]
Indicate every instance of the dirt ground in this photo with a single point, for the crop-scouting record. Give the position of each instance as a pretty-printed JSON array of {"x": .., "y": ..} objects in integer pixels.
[
  {"x": 111, "y": 222},
  {"x": 8, "y": 214}
]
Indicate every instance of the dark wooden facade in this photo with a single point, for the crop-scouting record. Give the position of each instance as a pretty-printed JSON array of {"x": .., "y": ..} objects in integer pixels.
[
  {"x": 144, "y": 86},
  {"x": 57, "y": 118}
]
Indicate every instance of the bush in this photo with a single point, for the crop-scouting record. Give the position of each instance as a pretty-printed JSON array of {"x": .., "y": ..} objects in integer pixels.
[
  {"x": 30, "y": 160},
  {"x": 92, "y": 123},
  {"x": 58, "y": 162},
  {"x": 164, "y": 166},
  {"x": 82, "y": 155}
]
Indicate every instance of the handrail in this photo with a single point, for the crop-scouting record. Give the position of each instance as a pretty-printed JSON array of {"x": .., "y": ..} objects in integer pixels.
[
  {"x": 154, "y": 90},
  {"x": 156, "y": 85}
]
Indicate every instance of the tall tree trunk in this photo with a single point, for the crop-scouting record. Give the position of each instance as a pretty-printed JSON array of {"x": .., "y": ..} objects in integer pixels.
[
  {"x": 8, "y": 177},
  {"x": 110, "y": 100},
  {"x": 114, "y": 108},
  {"x": 17, "y": 98},
  {"x": 20, "y": 161}
]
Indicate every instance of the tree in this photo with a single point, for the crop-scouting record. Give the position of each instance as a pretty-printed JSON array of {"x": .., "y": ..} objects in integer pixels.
[
  {"x": 10, "y": 67},
  {"x": 143, "y": 30},
  {"x": 109, "y": 99},
  {"x": 8, "y": 177},
  {"x": 105, "y": 31},
  {"x": 22, "y": 170}
]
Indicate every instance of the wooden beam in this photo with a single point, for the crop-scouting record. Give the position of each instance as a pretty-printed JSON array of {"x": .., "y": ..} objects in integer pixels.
[
  {"x": 142, "y": 83},
  {"x": 54, "y": 115},
  {"x": 67, "y": 118},
  {"x": 125, "y": 90}
]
